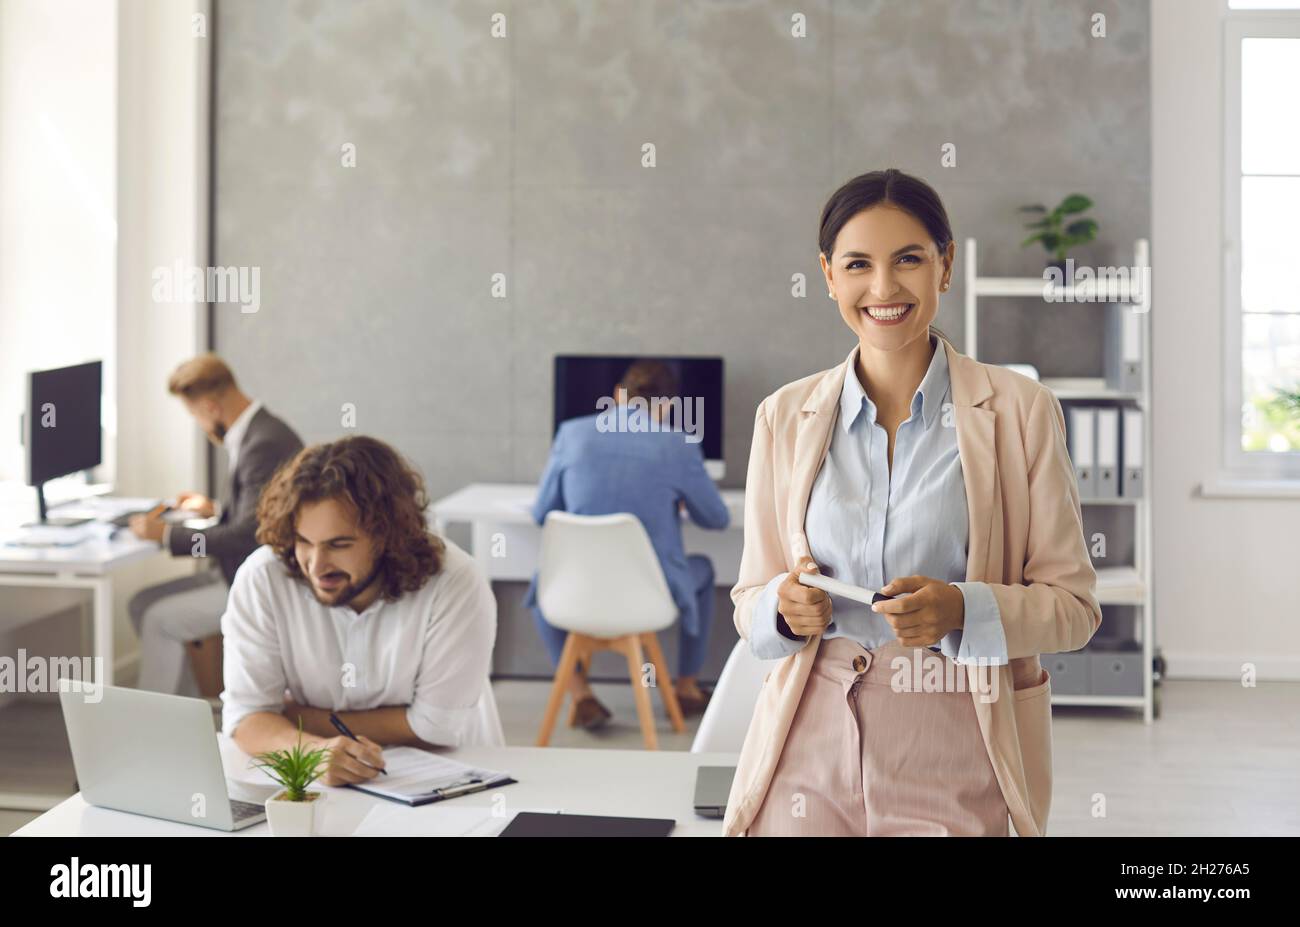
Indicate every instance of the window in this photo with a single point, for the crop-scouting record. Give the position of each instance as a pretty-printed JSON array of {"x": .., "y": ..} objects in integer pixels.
[
  {"x": 1261, "y": 433},
  {"x": 58, "y": 204}
]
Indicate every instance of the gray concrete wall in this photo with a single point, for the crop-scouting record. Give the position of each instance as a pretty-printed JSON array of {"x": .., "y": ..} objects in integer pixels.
[{"x": 522, "y": 156}]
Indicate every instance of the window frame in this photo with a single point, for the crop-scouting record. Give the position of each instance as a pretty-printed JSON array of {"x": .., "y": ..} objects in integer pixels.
[{"x": 1240, "y": 465}]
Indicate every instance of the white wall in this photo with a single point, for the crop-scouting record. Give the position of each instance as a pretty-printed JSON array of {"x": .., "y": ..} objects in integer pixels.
[
  {"x": 162, "y": 190},
  {"x": 58, "y": 234},
  {"x": 1227, "y": 584},
  {"x": 103, "y": 177},
  {"x": 58, "y": 246}
]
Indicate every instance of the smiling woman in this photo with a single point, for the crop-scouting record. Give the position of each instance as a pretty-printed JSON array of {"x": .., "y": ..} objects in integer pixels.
[
  {"x": 886, "y": 289},
  {"x": 944, "y": 483}
]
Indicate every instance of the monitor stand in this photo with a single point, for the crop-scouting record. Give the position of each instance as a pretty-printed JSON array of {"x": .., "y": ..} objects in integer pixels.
[
  {"x": 44, "y": 517},
  {"x": 58, "y": 522}
]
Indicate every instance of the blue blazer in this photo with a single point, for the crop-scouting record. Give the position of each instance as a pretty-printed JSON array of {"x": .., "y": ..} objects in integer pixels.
[{"x": 645, "y": 473}]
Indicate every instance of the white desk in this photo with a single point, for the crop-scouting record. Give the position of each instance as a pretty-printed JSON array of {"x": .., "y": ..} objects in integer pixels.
[
  {"x": 506, "y": 541},
  {"x": 629, "y": 783},
  {"x": 87, "y": 565}
]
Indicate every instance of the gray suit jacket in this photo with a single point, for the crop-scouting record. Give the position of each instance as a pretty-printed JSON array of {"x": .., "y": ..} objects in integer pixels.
[{"x": 267, "y": 444}]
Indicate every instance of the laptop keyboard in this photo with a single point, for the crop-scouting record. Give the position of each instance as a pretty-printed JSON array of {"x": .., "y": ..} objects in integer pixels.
[{"x": 243, "y": 810}]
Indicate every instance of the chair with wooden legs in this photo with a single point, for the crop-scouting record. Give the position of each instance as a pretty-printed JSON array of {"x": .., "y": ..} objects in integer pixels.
[{"x": 599, "y": 579}]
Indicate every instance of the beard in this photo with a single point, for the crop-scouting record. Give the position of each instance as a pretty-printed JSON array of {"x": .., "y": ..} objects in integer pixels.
[{"x": 348, "y": 592}]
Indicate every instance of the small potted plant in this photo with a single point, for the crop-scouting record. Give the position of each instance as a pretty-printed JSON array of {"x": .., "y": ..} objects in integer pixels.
[
  {"x": 1055, "y": 238},
  {"x": 292, "y": 811}
]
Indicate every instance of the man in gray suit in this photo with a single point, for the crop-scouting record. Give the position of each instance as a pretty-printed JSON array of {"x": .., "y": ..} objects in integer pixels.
[{"x": 184, "y": 615}]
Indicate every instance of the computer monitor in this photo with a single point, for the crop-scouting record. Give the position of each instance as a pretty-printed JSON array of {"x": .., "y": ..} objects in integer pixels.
[
  {"x": 583, "y": 380},
  {"x": 61, "y": 425}
]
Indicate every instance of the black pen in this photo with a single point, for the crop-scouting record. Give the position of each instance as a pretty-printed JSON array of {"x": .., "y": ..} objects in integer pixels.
[{"x": 343, "y": 729}]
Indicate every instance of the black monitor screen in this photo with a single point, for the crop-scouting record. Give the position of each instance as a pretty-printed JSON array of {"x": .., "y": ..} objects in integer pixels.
[
  {"x": 62, "y": 421},
  {"x": 583, "y": 381}
]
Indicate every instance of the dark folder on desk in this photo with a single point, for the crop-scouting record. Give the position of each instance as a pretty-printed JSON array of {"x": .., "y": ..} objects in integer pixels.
[{"x": 537, "y": 824}]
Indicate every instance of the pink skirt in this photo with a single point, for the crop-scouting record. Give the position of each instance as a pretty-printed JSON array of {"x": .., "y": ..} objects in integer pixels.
[{"x": 862, "y": 759}]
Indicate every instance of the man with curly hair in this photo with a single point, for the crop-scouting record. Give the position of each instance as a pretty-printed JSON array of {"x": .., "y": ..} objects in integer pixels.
[{"x": 353, "y": 606}]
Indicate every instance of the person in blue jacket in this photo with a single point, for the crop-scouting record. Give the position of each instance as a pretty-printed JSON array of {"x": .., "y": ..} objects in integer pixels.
[{"x": 652, "y": 472}]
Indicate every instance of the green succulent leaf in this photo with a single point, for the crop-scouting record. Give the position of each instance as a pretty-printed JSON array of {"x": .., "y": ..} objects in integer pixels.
[{"x": 294, "y": 769}]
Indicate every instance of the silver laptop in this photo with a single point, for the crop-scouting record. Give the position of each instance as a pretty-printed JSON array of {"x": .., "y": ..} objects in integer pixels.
[{"x": 152, "y": 754}]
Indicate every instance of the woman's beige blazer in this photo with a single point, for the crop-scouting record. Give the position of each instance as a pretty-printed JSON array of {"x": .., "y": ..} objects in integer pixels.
[{"x": 1026, "y": 539}]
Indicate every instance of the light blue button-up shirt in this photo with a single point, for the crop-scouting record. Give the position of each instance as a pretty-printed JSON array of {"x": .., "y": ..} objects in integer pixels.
[{"x": 866, "y": 526}]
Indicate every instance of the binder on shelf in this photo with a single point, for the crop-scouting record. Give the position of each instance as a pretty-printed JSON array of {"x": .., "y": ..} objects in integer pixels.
[
  {"x": 1107, "y": 463},
  {"x": 1104, "y": 676},
  {"x": 1119, "y": 584},
  {"x": 1082, "y": 437},
  {"x": 1131, "y": 482},
  {"x": 1123, "y": 348}
]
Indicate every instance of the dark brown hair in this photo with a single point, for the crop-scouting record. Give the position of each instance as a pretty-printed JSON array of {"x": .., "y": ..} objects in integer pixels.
[
  {"x": 649, "y": 379},
  {"x": 910, "y": 194},
  {"x": 386, "y": 492}
]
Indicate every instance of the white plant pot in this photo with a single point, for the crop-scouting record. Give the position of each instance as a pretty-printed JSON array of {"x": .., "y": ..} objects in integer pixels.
[{"x": 293, "y": 818}]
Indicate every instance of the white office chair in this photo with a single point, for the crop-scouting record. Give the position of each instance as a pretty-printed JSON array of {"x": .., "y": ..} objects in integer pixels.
[
  {"x": 727, "y": 717},
  {"x": 599, "y": 579}
]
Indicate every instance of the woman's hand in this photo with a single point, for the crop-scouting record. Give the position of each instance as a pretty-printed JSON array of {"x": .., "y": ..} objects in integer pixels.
[
  {"x": 806, "y": 610},
  {"x": 927, "y": 610}
]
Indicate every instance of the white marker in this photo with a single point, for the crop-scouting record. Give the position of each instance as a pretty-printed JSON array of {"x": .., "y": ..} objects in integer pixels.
[{"x": 844, "y": 590}]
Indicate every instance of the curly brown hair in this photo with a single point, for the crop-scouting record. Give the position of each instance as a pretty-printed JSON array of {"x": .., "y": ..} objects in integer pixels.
[{"x": 387, "y": 493}]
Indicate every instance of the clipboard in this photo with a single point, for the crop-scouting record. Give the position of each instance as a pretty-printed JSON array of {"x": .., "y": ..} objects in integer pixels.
[
  {"x": 412, "y": 769},
  {"x": 437, "y": 795}
]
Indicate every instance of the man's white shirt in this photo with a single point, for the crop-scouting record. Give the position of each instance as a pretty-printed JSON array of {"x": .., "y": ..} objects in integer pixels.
[
  {"x": 234, "y": 436},
  {"x": 431, "y": 650}
]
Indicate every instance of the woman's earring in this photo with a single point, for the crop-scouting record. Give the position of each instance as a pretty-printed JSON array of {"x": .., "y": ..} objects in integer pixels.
[{"x": 830, "y": 294}]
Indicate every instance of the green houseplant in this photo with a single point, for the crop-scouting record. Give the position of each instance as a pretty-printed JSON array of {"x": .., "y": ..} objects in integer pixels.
[
  {"x": 1275, "y": 424},
  {"x": 292, "y": 811},
  {"x": 1051, "y": 230}
]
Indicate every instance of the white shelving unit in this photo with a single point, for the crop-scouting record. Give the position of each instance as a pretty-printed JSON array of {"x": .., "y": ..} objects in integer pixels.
[{"x": 1134, "y": 586}]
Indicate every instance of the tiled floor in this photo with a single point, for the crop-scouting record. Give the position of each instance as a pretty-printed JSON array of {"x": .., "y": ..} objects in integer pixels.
[{"x": 1222, "y": 759}]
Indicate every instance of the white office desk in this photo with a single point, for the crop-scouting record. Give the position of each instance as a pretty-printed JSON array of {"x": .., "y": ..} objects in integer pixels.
[
  {"x": 628, "y": 783},
  {"x": 87, "y": 565},
  {"x": 506, "y": 541}
]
